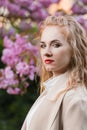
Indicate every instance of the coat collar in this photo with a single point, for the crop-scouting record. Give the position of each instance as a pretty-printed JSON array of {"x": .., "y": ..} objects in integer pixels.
[{"x": 54, "y": 86}]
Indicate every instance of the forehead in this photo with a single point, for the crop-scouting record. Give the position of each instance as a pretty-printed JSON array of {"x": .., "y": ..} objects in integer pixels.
[{"x": 53, "y": 32}]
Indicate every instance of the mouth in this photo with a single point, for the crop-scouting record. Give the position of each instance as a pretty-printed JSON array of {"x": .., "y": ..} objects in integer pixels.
[{"x": 48, "y": 61}]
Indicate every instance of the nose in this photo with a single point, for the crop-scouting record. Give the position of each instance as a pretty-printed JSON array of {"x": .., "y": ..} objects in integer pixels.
[{"x": 48, "y": 53}]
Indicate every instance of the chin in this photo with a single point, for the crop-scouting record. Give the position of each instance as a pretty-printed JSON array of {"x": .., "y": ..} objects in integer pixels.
[{"x": 49, "y": 69}]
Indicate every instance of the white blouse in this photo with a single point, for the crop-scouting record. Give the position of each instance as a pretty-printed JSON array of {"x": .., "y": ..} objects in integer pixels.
[{"x": 47, "y": 84}]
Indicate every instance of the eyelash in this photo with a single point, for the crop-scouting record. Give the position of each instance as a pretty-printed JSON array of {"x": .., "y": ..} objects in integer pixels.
[
  {"x": 42, "y": 46},
  {"x": 56, "y": 45}
]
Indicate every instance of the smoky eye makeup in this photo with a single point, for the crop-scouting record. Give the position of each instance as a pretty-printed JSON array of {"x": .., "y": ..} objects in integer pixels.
[
  {"x": 42, "y": 45},
  {"x": 56, "y": 43}
]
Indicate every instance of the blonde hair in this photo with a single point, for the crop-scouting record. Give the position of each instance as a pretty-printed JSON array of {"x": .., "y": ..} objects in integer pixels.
[{"x": 77, "y": 39}]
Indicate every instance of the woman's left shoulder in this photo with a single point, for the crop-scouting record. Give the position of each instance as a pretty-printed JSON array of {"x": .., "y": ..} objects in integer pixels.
[
  {"x": 74, "y": 110},
  {"x": 78, "y": 94}
]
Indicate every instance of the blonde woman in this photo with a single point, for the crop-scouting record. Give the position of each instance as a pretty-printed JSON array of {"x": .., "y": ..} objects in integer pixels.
[{"x": 62, "y": 104}]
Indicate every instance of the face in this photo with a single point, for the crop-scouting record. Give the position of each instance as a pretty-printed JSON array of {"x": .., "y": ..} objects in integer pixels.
[{"x": 55, "y": 51}]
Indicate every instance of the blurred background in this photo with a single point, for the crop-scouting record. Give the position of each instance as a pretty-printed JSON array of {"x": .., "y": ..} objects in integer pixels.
[{"x": 19, "y": 73}]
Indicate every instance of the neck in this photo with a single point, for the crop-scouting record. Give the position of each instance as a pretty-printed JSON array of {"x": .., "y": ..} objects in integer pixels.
[{"x": 58, "y": 74}]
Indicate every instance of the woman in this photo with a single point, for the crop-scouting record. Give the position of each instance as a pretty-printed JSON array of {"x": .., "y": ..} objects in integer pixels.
[{"x": 62, "y": 104}]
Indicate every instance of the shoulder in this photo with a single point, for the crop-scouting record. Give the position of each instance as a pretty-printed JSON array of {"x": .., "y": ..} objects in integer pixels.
[
  {"x": 74, "y": 112},
  {"x": 76, "y": 96}
]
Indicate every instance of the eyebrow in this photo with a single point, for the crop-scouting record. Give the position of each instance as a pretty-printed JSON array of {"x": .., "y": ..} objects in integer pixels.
[{"x": 52, "y": 41}]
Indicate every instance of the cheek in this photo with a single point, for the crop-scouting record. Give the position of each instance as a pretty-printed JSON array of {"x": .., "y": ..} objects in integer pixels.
[
  {"x": 64, "y": 54},
  {"x": 60, "y": 53}
]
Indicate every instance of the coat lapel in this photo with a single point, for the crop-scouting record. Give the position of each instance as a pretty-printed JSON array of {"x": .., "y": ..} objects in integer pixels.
[
  {"x": 43, "y": 94},
  {"x": 56, "y": 109},
  {"x": 56, "y": 94},
  {"x": 57, "y": 89}
]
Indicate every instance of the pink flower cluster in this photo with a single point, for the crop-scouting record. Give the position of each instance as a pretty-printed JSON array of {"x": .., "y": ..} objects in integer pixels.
[
  {"x": 19, "y": 55},
  {"x": 30, "y": 13},
  {"x": 8, "y": 79},
  {"x": 79, "y": 10},
  {"x": 36, "y": 10}
]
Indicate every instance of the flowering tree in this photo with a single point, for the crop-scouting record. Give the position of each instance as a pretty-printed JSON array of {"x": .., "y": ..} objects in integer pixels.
[
  {"x": 20, "y": 19},
  {"x": 79, "y": 10},
  {"x": 23, "y": 14},
  {"x": 19, "y": 57}
]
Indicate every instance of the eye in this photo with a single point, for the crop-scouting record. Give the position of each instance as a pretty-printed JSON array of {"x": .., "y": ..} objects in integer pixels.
[
  {"x": 42, "y": 45},
  {"x": 56, "y": 45}
]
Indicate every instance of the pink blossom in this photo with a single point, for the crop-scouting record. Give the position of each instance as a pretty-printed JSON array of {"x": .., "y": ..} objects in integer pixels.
[
  {"x": 13, "y": 91},
  {"x": 31, "y": 76},
  {"x": 7, "y": 78},
  {"x": 8, "y": 57},
  {"x": 3, "y": 85},
  {"x": 7, "y": 42},
  {"x": 22, "y": 68},
  {"x": 33, "y": 48},
  {"x": 19, "y": 57},
  {"x": 8, "y": 73},
  {"x": 32, "y": 71}
]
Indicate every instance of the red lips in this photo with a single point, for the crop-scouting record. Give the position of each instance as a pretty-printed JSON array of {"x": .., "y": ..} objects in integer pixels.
[{"x": 48, "y": 61}]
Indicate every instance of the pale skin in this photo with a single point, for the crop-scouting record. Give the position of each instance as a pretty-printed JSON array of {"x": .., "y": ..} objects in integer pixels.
[{"x": 55, "y": 51}]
